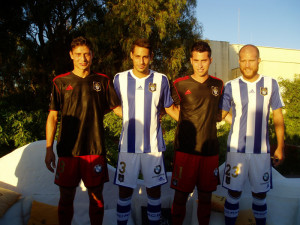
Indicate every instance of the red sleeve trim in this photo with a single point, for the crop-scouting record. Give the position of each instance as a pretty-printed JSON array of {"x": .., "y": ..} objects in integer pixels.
[
  {"x": 61, "y": 75},
  {"x": 181, "y": 79},
  {"x": 114, "y": 107},
  {"x": 178, "y": 80}
]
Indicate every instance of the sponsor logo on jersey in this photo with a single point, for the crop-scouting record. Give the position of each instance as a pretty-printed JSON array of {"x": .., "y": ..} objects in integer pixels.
[
  {"x": 69, "y": 87},
  {"x": 266, "y": 176},
  {"x": 140, "y": 87},
  {"x": 188, "y": 92},
  {"x": 96, "y": 86},
  {"x": 157, "y": 169},
  {"x": 215, "y": 91},
  {"x": 264, "y": 91},
  {"x": 152, "y": 87},
  {"x": 161, "y": 179},
  {"x": 98, "y": 168},
  {"x": 121, "y": 178},
  {"x": 251, "y": 91}
]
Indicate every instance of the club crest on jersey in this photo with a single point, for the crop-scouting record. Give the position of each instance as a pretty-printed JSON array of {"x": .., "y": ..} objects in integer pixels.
[
  {"x": 96, "y": 86},
  {"x": 98, "y": 168},
  {"x": 121, "y": 178},
  {"x": 152, "y": 87},
  {"x": 215, "y": 90},
  {"x": 157, "y": 169},
  {"x": 266, "y": 177},
  {"x": 263, "y": 91},
  {"x": 216, "y": 172}
]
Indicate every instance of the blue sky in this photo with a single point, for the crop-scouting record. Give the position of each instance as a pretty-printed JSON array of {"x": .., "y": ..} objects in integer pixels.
[{"x": 271, "y": 23}]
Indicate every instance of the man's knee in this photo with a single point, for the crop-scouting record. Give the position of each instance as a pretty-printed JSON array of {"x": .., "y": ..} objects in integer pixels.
[
  {"x": 95, "y": 193},
  {"x": 125, "y": 192},
  {"x": 261, "y": 195},
  {"x": 181, "y": 197},
  {"x": 153, "y": 192},
  {"x": 235, "y": 194},
  {"x": 67, "y": 194},
  {"x": 204, "y": 197}
]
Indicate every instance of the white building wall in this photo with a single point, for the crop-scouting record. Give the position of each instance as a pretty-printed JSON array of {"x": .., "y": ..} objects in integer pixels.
[
  {"x": 275, "y": 62},
  {"x": 220, "y": 64}
]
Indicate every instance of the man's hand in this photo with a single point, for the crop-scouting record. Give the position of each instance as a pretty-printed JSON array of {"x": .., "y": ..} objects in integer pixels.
[
  {"x": 278, "y": 157},
  {"x": 50, "y": 159}
]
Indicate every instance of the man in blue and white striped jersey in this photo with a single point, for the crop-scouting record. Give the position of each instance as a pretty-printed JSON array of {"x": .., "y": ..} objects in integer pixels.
[
  {"x": 248, "y": 150},
  {"x": 143, "y": 93}
]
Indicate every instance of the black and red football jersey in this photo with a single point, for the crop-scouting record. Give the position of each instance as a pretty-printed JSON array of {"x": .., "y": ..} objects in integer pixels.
[
  {"x": 199, "y": 106},
  {"x": 82, "y": 103}
]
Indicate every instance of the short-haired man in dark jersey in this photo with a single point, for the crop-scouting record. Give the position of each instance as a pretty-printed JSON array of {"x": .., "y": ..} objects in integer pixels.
[
  {"x": 82, "y": 97},
  {"x": 196, "y": 145}
]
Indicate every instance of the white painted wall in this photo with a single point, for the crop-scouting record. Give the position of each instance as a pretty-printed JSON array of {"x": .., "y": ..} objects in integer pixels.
[{"x": 276, "y": 62}]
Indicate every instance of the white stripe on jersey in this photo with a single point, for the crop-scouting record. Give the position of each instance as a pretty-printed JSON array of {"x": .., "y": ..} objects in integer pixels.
[
  {"x": 251, "y": 104},
  {"x": 141, "y": 108}
]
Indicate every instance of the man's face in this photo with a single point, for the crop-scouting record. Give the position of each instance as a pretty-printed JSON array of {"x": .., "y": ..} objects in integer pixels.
[
  {"x": 141, "y": 58},
  {"x": 82, "y": 57},
  {"x": 249, "y": 62},
  {"x": 200, "y": 62}
]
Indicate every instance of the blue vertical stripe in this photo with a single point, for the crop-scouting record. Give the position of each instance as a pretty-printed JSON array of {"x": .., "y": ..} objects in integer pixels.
[
  {"x": 226, "y": 106},
  {"x": 147, "y": 113},
  {"x": 118, "y": 91},
  {"x": 117, "y": 85},
  {"x": 243, "y": 120},
  {"x": 131, "y": 88},
  {"x": 258, "y": 117},
  {"x": 267, "y": 133},
  {"x": 167, "y": 102}
]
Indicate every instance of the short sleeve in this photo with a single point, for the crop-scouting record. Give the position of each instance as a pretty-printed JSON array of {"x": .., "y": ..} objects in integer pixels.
[
  {"x": 226, "y": 99},
  {"x": 166, "y": 93},
  {"x": 175, "y": 95},
  {"x": 112, "y": 97},
  {"x": 276, "y": 99},
  {"x": 55, "y": 98}
]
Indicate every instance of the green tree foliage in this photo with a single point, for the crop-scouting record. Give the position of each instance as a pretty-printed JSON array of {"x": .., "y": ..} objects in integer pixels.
[
  {"x": 291, "y": 97},
  {"x": 21, "y": 122},
  {"x": 170, "y": 25},
  {"x": 36, "y": 34}
]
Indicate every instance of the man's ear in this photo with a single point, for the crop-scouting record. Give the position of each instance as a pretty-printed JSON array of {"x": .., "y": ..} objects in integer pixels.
[
  {"x": 71, "y": 54},
  {"x": 131, "y": 56}
]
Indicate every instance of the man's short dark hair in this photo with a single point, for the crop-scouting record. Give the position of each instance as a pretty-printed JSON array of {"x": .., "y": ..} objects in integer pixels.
[
  {"x": 142, "y": 42},
  {"x": 201, "y": 46},
  {"x": 81, "y": 41}
]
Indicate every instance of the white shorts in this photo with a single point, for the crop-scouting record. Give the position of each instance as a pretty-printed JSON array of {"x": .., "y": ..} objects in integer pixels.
[
  {"x": 150, "y": 164},
  {"x": 241, "y": 166}
]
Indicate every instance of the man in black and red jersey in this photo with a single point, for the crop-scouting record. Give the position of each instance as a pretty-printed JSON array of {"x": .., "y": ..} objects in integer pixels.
[
  {"x": 82, "y": 97},
  {"x": 196, "y": 145}
]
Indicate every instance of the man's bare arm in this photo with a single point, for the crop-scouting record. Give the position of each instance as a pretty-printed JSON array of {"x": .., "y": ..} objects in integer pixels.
[
  {"x": 279, "y": 130},
  {"x": 173, "y": 111},
  {"x": 50, "y": 135}
]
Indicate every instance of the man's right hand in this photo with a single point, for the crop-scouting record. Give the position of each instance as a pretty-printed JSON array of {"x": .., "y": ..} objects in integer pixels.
[{"x": 50, "y": 159}]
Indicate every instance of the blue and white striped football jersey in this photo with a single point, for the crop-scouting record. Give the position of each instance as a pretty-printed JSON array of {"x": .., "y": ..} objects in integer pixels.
[
  {"x": 251, "y": 103},
  {"x": 142, "y": 99}
]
